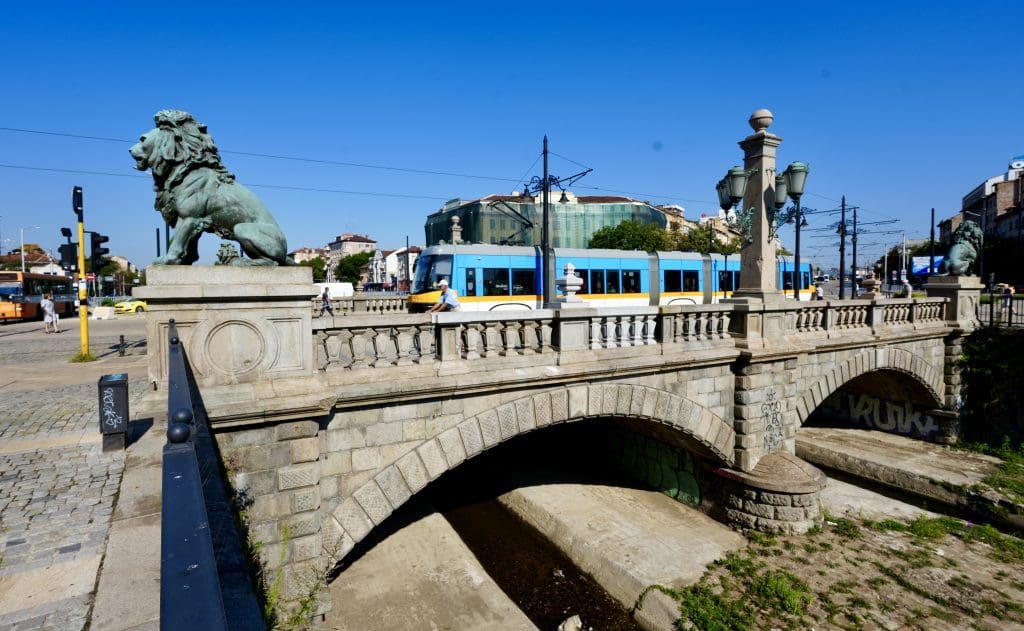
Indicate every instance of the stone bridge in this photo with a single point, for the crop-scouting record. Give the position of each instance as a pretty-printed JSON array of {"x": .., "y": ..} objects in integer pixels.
[{"x": 328, "y": 425}]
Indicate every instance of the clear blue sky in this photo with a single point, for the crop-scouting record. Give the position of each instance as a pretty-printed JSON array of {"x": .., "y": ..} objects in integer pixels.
[{"x": 900, "y": 106}]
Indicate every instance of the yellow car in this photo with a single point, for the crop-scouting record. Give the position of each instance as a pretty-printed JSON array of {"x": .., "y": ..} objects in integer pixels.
[{"x": 130, "y": 306}]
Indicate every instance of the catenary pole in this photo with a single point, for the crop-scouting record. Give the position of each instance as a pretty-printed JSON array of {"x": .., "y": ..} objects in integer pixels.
[{"x": 842, "y": 250}]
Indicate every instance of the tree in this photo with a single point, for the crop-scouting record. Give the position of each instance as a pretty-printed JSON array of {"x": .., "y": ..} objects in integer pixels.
[
  {"x": 30, "y": 248},
  {"x": 347, "y": 270},
  {"x": 701, "y": 238},
  {"x": 319, "y": 268},
  {"x": 631, "y": 235}
]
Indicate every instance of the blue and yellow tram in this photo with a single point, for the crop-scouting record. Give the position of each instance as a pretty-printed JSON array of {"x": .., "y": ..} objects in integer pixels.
[{"x": 495, "y": 277}]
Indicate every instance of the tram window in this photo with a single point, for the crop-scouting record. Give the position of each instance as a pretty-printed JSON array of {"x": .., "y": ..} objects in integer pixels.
[
  {"x": 691, "y": 280},
  {"x": 673, "y": 280},
  {"x": 495, "y": 281},
  {"x": 805, "y": 280},
  {"x": 523, "y": 282},
  {"x": 630, "y": 281},
  {"x": 596, "y": 281},
  {"x": 470, "y": 281},
  {"x": 585, "y": 277},
  {"x": 611, "y": 278},
  {"x": 726, "y": 280}
]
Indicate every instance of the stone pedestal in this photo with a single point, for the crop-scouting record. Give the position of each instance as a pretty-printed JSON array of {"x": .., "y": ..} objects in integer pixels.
[
  {"x": 781, "y": 495},
  {"x": 237, "y": 324},
  {"x": 963, "y": 292}
]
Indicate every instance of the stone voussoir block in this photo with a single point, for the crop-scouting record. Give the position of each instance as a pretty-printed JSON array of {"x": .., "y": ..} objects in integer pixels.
[
  {"x": 542, "y": 409},
  {"x": 452, "y": 447},
  {"x": 351, "y": 516},
  {"x": 373, "y": 501},
  {"x": 413, "y": 470},
  {"x": 392, "y": 483},
  {"x": 525, "y": 415},
  {"x": 472, "y": 438}
]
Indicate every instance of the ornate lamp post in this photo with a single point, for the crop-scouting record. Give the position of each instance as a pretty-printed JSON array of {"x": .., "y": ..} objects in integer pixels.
[{"x": 758, "y": 219}]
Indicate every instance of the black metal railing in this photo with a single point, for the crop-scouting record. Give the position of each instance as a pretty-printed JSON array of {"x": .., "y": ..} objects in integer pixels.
[
  {"x": 1002, "y": 310},
  {"x": 204, "y": 578}
]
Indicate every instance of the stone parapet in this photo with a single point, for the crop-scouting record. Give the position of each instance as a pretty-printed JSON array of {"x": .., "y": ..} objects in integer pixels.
[
  {"x": 963, "y": 294},
  {"x": 237, "y": 324}
]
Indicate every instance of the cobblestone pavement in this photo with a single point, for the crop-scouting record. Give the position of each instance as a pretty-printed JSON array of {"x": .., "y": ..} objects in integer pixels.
[{"x": 57, "y": 487}]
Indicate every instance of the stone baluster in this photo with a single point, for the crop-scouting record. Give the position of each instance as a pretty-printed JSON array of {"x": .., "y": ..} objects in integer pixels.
[
  {"x": 529, "y": 332},
  {"x": 609, "y": 332},
  {"x": 624, "y": 333},
  {"x": 492, "y": 340},
  {"x": 545, "y": 336},
  {"x": 650, "y": 329},
  {"x": 595, "y": 334},
  {"x": 404, "y": 341},
  {"x": 510, "y": 331},
  {"x": 384, "y": 347},
  {"x": 361, "y": 345},
  {"x": 473, "y": 340},
  {"x": 425, "y": 344}
]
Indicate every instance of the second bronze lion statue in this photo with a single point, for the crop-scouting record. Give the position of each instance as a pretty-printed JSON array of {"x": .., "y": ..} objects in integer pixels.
[
  {"x": 196, "y": 194},
  {"x": 967, "y": 243}
]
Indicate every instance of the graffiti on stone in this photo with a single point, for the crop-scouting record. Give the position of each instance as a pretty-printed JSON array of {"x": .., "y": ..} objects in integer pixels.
[
  {"x": 771, "y": 414},
  {"x": 899, "y": 417}
]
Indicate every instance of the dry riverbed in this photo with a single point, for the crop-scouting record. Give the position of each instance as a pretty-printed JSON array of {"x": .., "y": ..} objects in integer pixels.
[{"x": 853, "y": 573}]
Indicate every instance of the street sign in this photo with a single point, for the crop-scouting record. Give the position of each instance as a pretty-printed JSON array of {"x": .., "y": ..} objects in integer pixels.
[{"x": 90, "y": 277}]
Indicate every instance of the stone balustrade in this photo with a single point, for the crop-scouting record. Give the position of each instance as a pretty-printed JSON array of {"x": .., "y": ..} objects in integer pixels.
[
  {"x": 365, "y": 303},
  {"x": 372, "y": 341}
]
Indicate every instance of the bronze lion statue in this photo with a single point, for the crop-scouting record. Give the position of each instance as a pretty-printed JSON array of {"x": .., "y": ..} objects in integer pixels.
[
  {"x": 196, "y": 194},
  {"x": 967, "y": 243}
]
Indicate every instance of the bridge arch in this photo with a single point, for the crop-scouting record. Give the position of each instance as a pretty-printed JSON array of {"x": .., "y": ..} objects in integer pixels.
[
  {"x": 373, "y": 502},
  {"x": 899, "y": 360}
]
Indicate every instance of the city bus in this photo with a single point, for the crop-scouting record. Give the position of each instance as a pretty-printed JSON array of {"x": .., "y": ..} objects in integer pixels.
[
  {"x": 498, "y": 277},
  {"x": 21, "y": 293}
]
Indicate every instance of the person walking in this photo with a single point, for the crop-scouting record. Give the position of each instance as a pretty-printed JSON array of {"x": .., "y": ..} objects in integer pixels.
[
  {"x": 49, "y": 314},
  {"x": 447, "y": 301},
  {"x": 325, "y": 303},
  {"x": 819, "y": 293}
]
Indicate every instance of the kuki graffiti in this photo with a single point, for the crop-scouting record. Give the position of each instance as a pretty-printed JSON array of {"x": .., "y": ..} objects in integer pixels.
[{"x": 899, "y": 417}]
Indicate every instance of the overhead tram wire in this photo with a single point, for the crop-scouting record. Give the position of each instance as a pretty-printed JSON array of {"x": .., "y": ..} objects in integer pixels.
[
  {"x": 253, "y": 184},
  {"x": 277, "y": 157},
  {"x": 366, "y": 166}
]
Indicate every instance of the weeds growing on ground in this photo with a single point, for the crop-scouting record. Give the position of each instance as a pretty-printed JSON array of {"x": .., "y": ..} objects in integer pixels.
[{"x": 899, "y": 575}]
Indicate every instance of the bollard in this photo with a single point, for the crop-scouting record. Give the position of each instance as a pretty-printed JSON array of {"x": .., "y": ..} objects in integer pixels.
[
  {"x": 120, "y": 348},
  {"x": 113, "y": 393}
]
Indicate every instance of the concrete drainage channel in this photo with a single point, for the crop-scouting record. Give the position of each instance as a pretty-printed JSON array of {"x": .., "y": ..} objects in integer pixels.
[{"x": 525, "y": 537}]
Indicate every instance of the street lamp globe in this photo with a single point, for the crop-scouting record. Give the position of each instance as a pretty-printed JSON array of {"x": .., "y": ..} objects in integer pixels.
[
  {"x": 724, "y": 201},
  {"x": 737, "y": 182},
  {"x": 796, "y": 176},
  {"x": 781, "y": 187}
]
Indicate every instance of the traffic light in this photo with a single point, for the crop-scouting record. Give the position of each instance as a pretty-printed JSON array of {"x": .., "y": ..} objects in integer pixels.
[
  {"x": 69, "y": 256},
  {"x": 98, "y": 252},
  {"x": 76, "y": 201}
]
